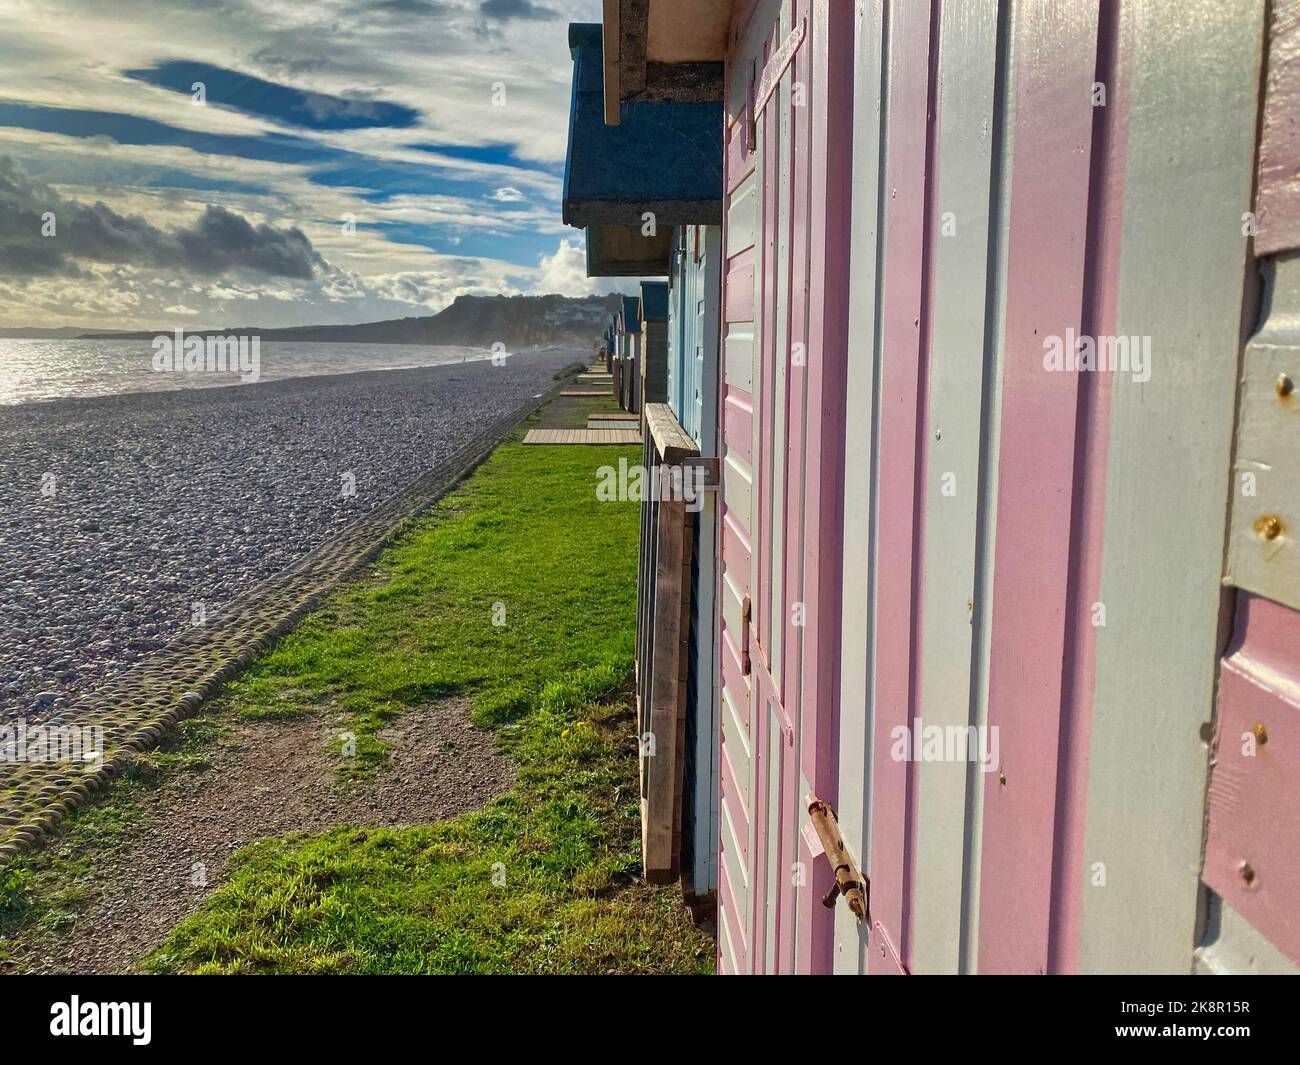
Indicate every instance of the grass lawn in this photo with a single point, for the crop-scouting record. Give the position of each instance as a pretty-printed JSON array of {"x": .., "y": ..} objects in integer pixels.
[{"x": 518, "y": 590}]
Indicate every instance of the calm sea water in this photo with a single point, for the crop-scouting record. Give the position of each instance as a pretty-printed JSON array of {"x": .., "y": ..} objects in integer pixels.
[{"x": 57, "y": 369}]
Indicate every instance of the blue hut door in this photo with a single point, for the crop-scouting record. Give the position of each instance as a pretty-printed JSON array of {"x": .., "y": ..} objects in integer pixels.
[{"x": 696, "y": 297}]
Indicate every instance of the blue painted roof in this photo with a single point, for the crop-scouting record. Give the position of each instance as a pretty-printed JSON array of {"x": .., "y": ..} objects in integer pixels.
[
  {"x": 630, "y": 319},
  {"x": 664, "y": 156},
  {"x": 654, "y": 300}
]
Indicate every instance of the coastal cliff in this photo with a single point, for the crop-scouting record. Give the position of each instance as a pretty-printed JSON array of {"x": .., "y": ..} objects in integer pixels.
[{"x": 470, "y": 321}]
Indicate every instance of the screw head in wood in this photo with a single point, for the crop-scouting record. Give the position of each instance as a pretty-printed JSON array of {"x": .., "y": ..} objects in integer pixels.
[
  {"x": 1261, "y": 733},
  {"x": 1269, "y": 526}
]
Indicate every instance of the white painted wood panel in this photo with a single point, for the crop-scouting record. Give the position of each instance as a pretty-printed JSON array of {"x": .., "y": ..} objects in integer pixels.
[
  {"x": 742, "y": 213},
  {"x": 1195, "y": 82},
  {"x": 968, "y": 48},
  {"x": 855, "y": 712},
  {"x": 738, "y": 487},
  {"x": 740, "y": 355},
  {"x": 1264, "y": 539}
]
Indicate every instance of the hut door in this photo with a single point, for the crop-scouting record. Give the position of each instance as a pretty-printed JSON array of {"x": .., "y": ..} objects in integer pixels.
[{"x": 785, "y": 294}]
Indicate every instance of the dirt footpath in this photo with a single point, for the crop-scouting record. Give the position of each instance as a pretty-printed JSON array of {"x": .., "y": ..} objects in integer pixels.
[{"x": 265, "y": 779}]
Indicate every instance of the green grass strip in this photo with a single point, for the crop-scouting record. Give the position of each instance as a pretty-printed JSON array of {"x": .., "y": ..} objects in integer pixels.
[{"x": 543, "y": 879}]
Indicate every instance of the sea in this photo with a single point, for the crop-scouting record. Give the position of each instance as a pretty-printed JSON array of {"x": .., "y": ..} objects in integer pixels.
[{"x": 35, "y": 370}]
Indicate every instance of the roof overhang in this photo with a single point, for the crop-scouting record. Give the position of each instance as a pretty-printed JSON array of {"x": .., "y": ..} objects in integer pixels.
[
  {"x": 664, "y": 50},
  {"x": 629, "y": 185},
  {"x": 618, "y": 251}
]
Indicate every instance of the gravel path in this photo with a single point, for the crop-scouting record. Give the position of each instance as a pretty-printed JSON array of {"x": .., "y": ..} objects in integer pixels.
[
  {"x": 265, "y": 779},
  {"x": 124, "y": 519}
]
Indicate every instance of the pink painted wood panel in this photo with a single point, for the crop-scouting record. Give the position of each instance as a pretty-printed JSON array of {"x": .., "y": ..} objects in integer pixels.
[
  {"x": 732, "y": 916},
  {"x": 781, "y": 746},
  {"x": 1101, "y": 294},
  {"x": 735, "y": 413},
  {"x": 766, "y": 746},
  {"x": 829, "y": 150},
  {"x": 827, "y": 339},
  {"x": 733, "y": 677},
  {"x": 740, "y": 159},
  {"x": 763, "y": 744},
  {"x": 793, "y": 309},
  {"x": 735, "y": 545},
  {"x": 792, "y": 305},
  {"x": 1252, "y": 856},
  {"x": 813, "y": 942},
  {"x": 738, "y": 423},
  {"x": 765, "y": 341},
  {"x": 1055, "y": 60},
  {"x": 1277, "y": 201},
  {"x": 906, "y": 182},
  {"x": 733, "y": 798}
]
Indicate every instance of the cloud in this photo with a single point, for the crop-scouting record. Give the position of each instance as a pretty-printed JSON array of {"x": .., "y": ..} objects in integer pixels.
[
  {"x": 410, "y": 7},
  {"x": 308, "y": 122},
  {"x": 47, "y": 233},
  {"x": 504, "y": 10},
  {"x": 222, "y": 241},
  {"x": 565, "y": 273}
]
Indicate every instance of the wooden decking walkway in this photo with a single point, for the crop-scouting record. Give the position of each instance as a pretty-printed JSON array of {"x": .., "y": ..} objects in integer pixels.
[
  {"x": 583, "y": 436},
  {"x": 594, "y": 393}
]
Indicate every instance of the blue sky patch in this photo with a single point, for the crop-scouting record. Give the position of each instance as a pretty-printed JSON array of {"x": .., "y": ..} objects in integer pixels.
[{"x": 281, "y": 103}]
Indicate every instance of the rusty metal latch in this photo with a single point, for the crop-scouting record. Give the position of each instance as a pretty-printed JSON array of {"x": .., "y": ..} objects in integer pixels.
[
  {"x": 849, "y": 880},
  {"x": 746, "y": 610}
]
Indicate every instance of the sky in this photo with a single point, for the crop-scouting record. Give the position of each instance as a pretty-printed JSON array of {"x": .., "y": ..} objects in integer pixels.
[{"x": 167, "y": 163}]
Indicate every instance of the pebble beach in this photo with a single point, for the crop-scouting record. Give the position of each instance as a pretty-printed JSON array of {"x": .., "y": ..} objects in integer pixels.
[{"x": 125, "y": 519}]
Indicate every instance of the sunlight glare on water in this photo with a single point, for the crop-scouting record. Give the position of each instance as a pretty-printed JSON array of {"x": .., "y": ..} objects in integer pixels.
[{"x": 33, "y": 370}]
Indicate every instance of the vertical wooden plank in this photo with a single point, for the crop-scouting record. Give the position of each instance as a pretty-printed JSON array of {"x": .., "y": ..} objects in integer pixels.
[
  {"x": 709, "y": 370},
  {"x": 767, "y": 464},
  {"x": 1088, "y": 523},
  {"x": 830, "y": 87},
  {"x": 789, "y": 571},
  {"x": 776, "y": 354},
  {"x": 1055, "y": 62},
  {"x": 1195, "y": 81},
  {"x": 968, "y": 57},
  {"x": 986, "y": 535},
  {"x": 859, "y": 442},
  {"x": 660, "y": 808},
  {"x": 906, "y": 181}
]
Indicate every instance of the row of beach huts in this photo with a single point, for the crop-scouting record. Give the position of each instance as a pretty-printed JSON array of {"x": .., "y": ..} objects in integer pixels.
[{"x": 969, "y": 593}]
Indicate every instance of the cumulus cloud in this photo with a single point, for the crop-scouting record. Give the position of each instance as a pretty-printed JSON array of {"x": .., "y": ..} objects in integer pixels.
[
  {"x": 46, "y": 233},
  {"x": 565, "y": 273}
]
